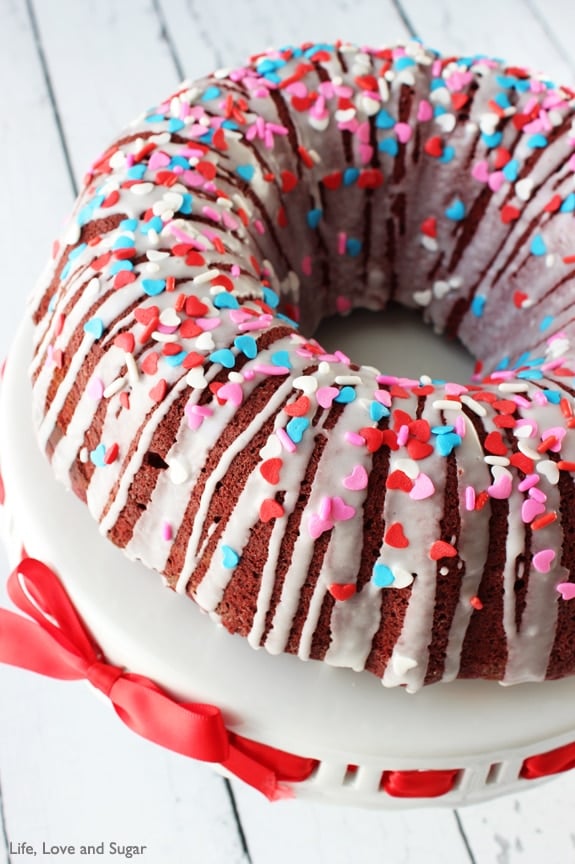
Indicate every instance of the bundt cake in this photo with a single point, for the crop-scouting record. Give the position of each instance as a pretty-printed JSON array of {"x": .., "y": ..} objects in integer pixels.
[{"x": 423, "y": 530}]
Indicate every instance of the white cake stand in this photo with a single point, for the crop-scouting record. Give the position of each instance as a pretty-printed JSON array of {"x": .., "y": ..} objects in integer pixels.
[{"x": 347, "y": 721}]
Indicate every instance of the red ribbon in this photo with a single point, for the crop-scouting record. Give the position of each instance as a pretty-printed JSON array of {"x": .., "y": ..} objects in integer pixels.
[
  {"x": 419, "y": 784},
  {"x": 56, "y": 643},
  {"x": 553, "y": 762}
]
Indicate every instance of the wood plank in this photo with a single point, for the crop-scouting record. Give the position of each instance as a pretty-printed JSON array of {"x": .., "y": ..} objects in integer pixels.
[
  {"x": 73, "y": 773},
  {"x": 36, "y": 190},
  {"x": 509, "y": 30},
  {"x": 108, "y": 63},
  {"x": 208, "y": 36},
  {"x": 329, "y": 834}
]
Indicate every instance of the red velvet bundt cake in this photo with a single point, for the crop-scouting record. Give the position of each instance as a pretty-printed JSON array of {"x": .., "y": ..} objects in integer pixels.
[{"x": 420, "y": 529}]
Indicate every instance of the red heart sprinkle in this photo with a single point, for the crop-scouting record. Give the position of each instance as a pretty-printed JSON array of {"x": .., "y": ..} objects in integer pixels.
[
  {"x": 394, "y": 536},
  {"x": 342, "y": 590},
  {"x": 149, "y": 364},
  {"x": 434, "y": 146},
  {"x": 419, "y": 449},
  {"x": 222, "y": 281},
  {"x": 494, "y": 444},
  {"x": 502, "y": 157},
  {"x": 125, "y": 341},
  {"x": 332, "y": 181},
  {"x": 123, "y": 278},
  {"x": 429, "y": 227},
  {"x": 270, "y": 470},
  {"x": 194, "y": 259},
  {"x": 189, "y": 329},
  {"x": 289, "y": 181},
  {"x": 270, "y": 509},
  {"x": 509, "y": 214},
  {"x": 442, "y": 549},
  {"x": 206, "y": 169},
  {"x": 370, "y": 178},
  {"x": 298, "y": 408},
  {"x": 192, "y": 360},
  {"x": 519, "y": 298},
  {"x": 373, "y": 438},
  {"x": 194, "y": 307},
  {"x": 399, "y": 480},
  {"x": 146, "y": 314},
  {"x": 553, "y": 204},
  {"x": 420, "y": 429},
  {"x": 158, "y": 391},
  {"x": 458, "y": 100}
]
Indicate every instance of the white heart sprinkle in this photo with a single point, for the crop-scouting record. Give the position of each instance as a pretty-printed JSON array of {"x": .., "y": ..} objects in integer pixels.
[
  {"x": 306, "y": 383},
  {"x": 205, "y": 342},
  {"x": 271, "y": 448},
  {"x": 524, "y": 188},
  {"x": 441, "y": 288},
  {"x": 423, "y": 298},
  {"x": 178, "y": 471},
  {"x": 549, "y": 470},
  {"x": 195, "y": 378},
  {"x": 401, "y": 578}
]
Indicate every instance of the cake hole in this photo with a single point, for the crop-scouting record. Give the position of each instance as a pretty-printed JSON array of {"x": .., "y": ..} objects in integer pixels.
[
  {"x": 397, "y": 342},
  {"x": 154, "y": 460},
  {"x": 350, "y": 775},
  {"x": 494, "y": 773}
]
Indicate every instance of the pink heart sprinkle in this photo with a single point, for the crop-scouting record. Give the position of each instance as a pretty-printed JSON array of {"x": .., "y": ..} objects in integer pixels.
[
  {"x": 365, "y": 153},
  {"x": 530, "y": 509},
  {"x": 317, "y": 525},
  {"x": 231, "y": 392},
  {"x": 422, "y": 487},
  {"x": 326, "y": 395},
  {"x": 158, "y": 160},
  {"x": 363, "y": 132},
  {"x": 298, "y": 89},
  {"x": 341, "y": 511},
  {"x": 496, "y": 180},
  {"x": 501, "y": 488},
  {"x": 207, "y": 324},
  {"x": 95, "y": 388},
  {"x": 403, "y": 132},
  {"x": 357, "y": 479},
  {"x": 424, "y": 111},
  {"x": 542, "y": 560},
  {"x": 567, "y": 590},
  {"x": 480, "y": 171}
]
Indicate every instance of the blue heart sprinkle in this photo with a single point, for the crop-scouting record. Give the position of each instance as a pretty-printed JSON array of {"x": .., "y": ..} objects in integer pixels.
[
  {"x": 384, "y": 120},
  {"x": 246, "y": 172},
  {"x": 448, "y": 154},
  {"x": 152, "y": 287},
  {"x": 568, "y": 205},
  {"x": 136, "y": 172},
  {"x": 511, "y": 170},
  {"x": 296, "y": 428},
  {"x": 538, "y": 246},
  {"x": 350, "y": 175},
  {"x": 345, "y": 395},
  {"x": 446, "y": 443},
  {"x": 128, "y": 224},
  {"x": 382, "y": 576},
  {"x": 77, "y": 251},
  {"x": 98, "y": 456},
  {"x": 211, "y": 93},
  {"x": 537, "y": 142},
  {"x": 353, "y": 246},
  {"x": 123, "y": 242},
  {"x": 230, "y": 557},
  {"x": 478, "y": 305},
  {"x": 389, "y": 146},
  {"x": 175, "y": 359},
  {"x": 314, "y": 217},
  {"x": 270, "y": 297},
  {"x": 546, "y": 322},
  {"x": 377, "y": 411},
  {"x": 153, "y": 224},
  {"x": 456, "y": 211},
  {"x": 95, "y": 327},
  {"x": 281, "y": 358},
  {"x": 225, "y": 300},
  {"x": 186, "y": 207},
  {"x": 175, "y": 124},
  {"x": 247, "y": 345},
  {"x": 442, "y": 430},
  {"x": 118, "y": 266},
  {"x": 224, "y": 357},
  {"x": 492, "y": 140}
]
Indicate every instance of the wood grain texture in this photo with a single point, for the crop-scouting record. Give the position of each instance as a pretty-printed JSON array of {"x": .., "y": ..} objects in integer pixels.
[{"x": 69, "y": 771}]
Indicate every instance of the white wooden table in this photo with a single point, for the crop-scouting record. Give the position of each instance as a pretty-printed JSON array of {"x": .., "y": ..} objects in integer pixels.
[{"x": 73, "y": 72}]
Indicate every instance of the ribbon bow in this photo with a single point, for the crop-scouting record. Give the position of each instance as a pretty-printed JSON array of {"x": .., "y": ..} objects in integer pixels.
[{"x": 56, "y": 643}]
